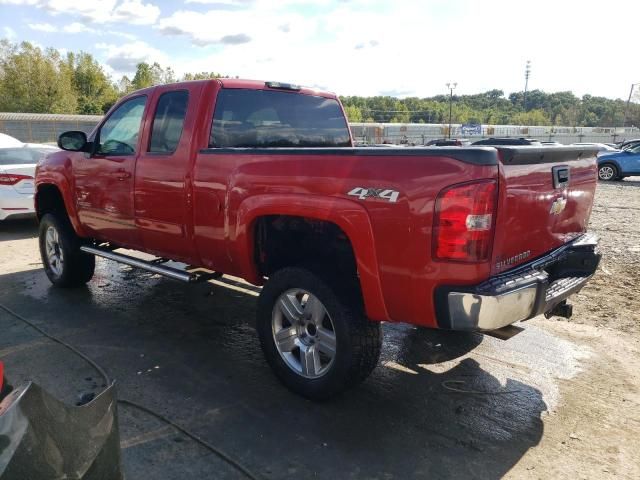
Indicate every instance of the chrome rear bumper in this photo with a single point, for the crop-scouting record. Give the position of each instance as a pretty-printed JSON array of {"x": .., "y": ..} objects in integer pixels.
[{"x": 521, "y": 293}]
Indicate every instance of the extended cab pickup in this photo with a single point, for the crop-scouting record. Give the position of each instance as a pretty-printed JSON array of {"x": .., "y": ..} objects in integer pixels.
[{"x": 260, "y": 181}]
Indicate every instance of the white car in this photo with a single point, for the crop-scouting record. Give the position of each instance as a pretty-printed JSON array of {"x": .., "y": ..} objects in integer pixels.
[
  {"x": 17, "y": 172},
  {"x": 7, "y": 141}
]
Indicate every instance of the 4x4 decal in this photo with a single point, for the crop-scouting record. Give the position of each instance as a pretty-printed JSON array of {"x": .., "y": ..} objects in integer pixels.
[{"x": 381, "y": 193}]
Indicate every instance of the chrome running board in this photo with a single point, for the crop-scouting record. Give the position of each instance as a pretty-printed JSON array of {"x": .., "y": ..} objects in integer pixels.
[{"x": 154, "y": 266}]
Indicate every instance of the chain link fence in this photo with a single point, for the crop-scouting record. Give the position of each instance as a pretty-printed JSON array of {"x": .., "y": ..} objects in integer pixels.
[{"x": 42, "y": 127}]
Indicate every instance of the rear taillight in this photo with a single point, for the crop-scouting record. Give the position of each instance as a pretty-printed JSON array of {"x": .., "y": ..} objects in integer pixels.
[
  {"x": 12, "y": 178},
  {"x": 463, "y": 227}
]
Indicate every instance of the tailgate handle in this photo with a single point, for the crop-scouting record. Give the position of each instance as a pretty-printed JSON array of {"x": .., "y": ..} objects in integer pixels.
[{"x": 561, "y": 176}]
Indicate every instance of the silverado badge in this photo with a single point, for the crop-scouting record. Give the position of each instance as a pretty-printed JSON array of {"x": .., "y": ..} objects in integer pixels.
[{"x": 558, "y": 206}]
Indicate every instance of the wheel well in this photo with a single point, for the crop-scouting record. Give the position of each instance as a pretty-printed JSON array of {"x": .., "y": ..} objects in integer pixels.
[
  {"x": 284, "y": 240},
  {"x": 609, "y": 162},
  {"x": 49, "y": 200}
]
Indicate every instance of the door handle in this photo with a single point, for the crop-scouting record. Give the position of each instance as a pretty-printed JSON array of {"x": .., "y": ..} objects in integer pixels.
[{"x": 121, "y": 174}]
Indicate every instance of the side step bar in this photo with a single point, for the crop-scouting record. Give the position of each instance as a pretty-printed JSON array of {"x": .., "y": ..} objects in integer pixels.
[{"x": 149, "y": 265}]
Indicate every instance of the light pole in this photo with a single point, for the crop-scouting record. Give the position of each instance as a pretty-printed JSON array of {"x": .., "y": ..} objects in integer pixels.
[
  {"x": 626, "y": 110},
  {"x": 451, "y": 86},
  {"x": 527, "y": 72}
]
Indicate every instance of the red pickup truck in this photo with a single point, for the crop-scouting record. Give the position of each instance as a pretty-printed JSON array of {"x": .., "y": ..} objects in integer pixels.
[{"x": 260, "y": 180}]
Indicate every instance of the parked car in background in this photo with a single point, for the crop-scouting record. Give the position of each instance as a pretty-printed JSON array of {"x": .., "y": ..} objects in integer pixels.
[
  {"x": 602, "y": 147},
  {"x": 619, "y": 164},
  {"x": 491, "y": 142},
  {"x": 552, "y": 144},
  {"x": 448, "y": 142},
  {"x": 7, "y": 141},
  {"x": 628, "y": 143},
  {"x": 376, "y": 145},
  {"x": 17, "y": 173}
]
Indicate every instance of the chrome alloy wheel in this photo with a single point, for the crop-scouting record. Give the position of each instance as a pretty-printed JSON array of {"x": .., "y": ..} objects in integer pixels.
[
  {"x": 55, "y": 257},
  {"x": 303, "y": 333},
  {"x": 606, "y": 172}
]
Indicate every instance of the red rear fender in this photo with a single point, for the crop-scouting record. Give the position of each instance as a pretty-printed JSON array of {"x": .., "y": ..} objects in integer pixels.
[{"x": 349, "y": 216}]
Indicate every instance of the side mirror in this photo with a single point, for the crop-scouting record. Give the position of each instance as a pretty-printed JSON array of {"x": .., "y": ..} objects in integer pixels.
[{"x": 73, "y": 141}]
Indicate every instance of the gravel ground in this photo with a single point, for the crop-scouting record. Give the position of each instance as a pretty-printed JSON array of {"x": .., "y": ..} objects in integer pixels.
[{"x": 612, "y": 298}]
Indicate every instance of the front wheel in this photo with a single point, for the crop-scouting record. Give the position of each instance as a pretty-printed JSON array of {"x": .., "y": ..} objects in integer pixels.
[
  {"x": 608, "y": 172},
  {"x": 314, "y": 333},
  {"x": 64, "y": 263}
]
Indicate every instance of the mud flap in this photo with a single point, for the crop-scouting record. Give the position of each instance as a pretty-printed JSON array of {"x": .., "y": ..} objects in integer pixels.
[{"x": 42, "y": 438}]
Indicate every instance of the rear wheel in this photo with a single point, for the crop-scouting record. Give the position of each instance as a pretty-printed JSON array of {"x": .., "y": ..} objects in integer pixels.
[
  {"x": 314, "y": 333},
  {"x": 608, "y": 172},
  {"x": 64, "y": 263}
]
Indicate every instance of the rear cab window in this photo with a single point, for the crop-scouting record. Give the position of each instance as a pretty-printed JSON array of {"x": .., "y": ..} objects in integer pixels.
[{"x": 264, "y": 118}]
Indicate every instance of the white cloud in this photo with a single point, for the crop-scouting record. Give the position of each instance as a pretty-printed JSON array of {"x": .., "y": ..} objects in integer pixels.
[
  {"x": 123, "y": 59},
  {"x": 223, "y": 4},
  {"x": 136, "y": 13},
  {"x": 9, "y": 33},
  {"x": 198, "y": 27},
  {"x": 77, "y": 27},
  {"x": 261, "y": 23},
  {"x": 418, "y": 48},
  {"x": 42, "y": 27},
  {"x": 88, "y": 10},
  {"x": 408, "y": 47},
  {"x": 128, "y": 36},
  {"x": 19, "y": 2}
]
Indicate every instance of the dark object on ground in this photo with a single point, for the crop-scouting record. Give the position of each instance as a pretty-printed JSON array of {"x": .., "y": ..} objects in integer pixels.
[{"x": 44, "y": 438}]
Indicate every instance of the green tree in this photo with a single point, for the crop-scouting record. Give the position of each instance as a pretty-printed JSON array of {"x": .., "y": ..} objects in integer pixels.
[
  {"x": 94, "y": 90},
  {"x": 143, "y": 77},
  {"x": 33, "y": 80},
  {"x": 353, "y": 113},
  {"x": 37, "y": 80},
  {"x": 201, "y": 76},
  {"x": 125, "y": 85},
  {"x": 532, "y": 117}
]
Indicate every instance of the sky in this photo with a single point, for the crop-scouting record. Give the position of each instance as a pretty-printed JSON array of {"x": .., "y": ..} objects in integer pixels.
[{"x": 352, "y": 47}]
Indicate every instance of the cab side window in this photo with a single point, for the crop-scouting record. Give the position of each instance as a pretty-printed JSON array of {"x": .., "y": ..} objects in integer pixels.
[
  {"x": 168, "y": 122},
  {"x": 119, "y": 134}
]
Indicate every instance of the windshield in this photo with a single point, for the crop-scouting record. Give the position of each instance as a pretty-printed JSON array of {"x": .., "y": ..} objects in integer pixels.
[{"x": 261, "y": 118}]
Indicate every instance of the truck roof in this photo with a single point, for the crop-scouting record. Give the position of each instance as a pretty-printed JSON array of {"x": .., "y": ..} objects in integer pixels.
[
  {"x": 242, "y": 83},
  {"x": 262, "y": 85}
]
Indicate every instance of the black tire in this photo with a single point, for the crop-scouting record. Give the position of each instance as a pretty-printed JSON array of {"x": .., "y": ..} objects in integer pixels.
[
  {"x": 358, "y": 340},
  {"x": 77, "y": 267},
  {"x": 604, "y": 172}
]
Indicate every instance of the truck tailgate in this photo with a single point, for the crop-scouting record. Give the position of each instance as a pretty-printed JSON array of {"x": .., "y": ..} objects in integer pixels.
[{"x": 546, "y": 195}]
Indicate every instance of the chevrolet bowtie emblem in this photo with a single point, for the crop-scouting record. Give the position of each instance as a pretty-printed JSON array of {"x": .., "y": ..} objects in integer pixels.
[{"x": 558, "y": 206}]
